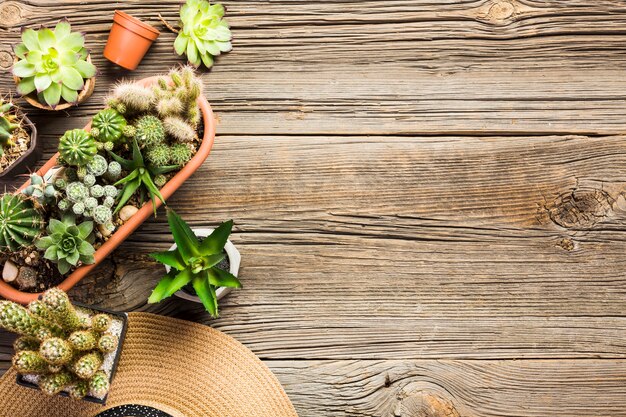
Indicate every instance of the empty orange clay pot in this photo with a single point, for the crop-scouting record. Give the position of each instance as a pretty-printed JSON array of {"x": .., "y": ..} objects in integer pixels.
[
  {"x": 129, "y": 40},
  {"x": 13, "y": 294}
]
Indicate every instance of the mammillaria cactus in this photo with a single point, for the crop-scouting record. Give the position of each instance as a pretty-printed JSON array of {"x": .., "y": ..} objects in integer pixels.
[
  {"x": 53, "y": 63},
  {"x": 97, "y": 166},
  {"x": 133, "y": 97},
  {"x": 150, "y": 131},
  {"x": 180, "y": 154},
  {"x": 204, "y": 33},
  {"x": 158, "y": 155},
  {"x": 20, "y": 222},
  {"x": 178, "y": 98},
  {"x": 77, "y": 147},
  {"x": 64, "y": 356},
  {"x": 108, "y": 125},
  {"x": 67, "y": 244},
  {"x": 179, "y": 129}
]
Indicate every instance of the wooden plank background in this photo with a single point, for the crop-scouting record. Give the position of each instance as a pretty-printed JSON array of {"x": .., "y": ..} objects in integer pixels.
[{"x": 429, "y": 198}]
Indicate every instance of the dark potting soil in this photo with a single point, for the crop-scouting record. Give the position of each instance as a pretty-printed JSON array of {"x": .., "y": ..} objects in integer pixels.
[{"x": 225, "y": 265}]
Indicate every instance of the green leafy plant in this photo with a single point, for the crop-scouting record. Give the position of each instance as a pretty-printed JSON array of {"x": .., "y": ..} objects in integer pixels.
[
  {"x": 20, "y": 222},
  {"x": 8, "y": 124},
  {"x": 77, "y": 147},
  {"x": 64, "y": 347},
  {"x": 53, "y": 63},
  {"x": 67, "y": 243},
  {"x": 140, "y": 177},
  {"x": 204, "y": 33},
  {"x": 194, "y": 261}
]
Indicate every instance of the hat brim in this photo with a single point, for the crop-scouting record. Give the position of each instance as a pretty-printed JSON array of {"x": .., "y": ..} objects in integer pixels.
[{"x": 181, "y": 368}]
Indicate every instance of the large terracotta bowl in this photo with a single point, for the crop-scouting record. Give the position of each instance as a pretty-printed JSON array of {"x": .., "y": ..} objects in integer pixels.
[{"x": 11, "y": 293}]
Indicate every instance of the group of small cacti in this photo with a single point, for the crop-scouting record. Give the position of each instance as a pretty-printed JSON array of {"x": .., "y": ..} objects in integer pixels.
[
  {"x": 61, "y": 345},
  {"x": 9, "y": 123},
  {"x": 132, "y": 148}
]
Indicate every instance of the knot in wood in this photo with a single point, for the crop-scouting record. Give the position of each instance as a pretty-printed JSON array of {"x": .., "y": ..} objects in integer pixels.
[
  {"x": 424, "y": 403},
  {"x": 10, "y": 13},
  {"x": 6, "y": 59},
  {"x": 581, "y": 208},
  {"x": 498, "y": 11}
]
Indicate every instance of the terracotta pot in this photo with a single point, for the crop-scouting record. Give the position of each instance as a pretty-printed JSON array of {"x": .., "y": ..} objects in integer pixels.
[
  {"x": 129, "y": 40},
  {"x": 86, "y": 92},
  {"x": 28, "y": 158},
  {"x": 135, "y": 221}
]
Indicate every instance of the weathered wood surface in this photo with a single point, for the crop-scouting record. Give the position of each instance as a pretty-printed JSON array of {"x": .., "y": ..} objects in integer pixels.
[{"x": 429, "y": 199}]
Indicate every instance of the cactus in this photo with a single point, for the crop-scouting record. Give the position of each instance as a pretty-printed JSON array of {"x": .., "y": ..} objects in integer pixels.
[
  {"x": 180, "y": 154},
  {"x": 114, "y": 171},
  {"x": 86, "y": 366},
  {"x": 91, "y": 203},
  {"x": 89, "y": 180},
  {"x": 108, "y": 343},
  {"x": 83, "y": 340},
  {"x": 109, "y": 202},
  {"x": 185, "y": 89},
  {"x": 179, "y": 129},
  {"x": 99, "y": 384},
  {"x": 64, "y": 205},
  {"x": 160, "y": 180},
  {"x": 150, "y": 131},
  {"x": 158, "y": 155},
  {"x": 77, "y": 147},
  {"x": 54, "y": 383},
  {"x": 135, "y": 98},
  {"x": 45, "y": 193},
  {"x": 56, "y": 351},
  {"x": 65, "y": 347},
  {"x": 97, "y": 166},
  {"x": 97, "y": 191},
  {"x": 76, "y": 192},
  {"x": 102, "y": 214},
  {"x": 108, "y": 125},
  {"x": 30, "y": 362},
  {"x": 8, "y": 124},
  {"x": 129, "y": 131},
  {"x": 20, "y": 222},
  {"x": 169, "y": 106}
]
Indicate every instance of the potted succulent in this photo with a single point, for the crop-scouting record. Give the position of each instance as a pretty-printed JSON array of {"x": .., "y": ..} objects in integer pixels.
[
  {"x": 203, "y": 34},
  {"x": 200, "y": 266},
  {"x": 19, "y": 147},
  {"x": 65, "y": 349},
  {"x": 103, "y": 183},
  {"x": 129, "y": 40},
  {"x": 53, "y": 69}
]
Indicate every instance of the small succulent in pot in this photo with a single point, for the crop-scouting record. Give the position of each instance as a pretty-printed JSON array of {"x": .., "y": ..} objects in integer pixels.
[
  {"x": 194, "y": 261},
  {"x": 62, "y": 347},
  {"x": 19, "y": 148},
  {"x": 53, "y": 64},
  {"x": 204, "y": 33}
]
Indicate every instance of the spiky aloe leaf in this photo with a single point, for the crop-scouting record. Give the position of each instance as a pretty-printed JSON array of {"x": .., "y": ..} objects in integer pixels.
[{"x": 215, "y": 242}]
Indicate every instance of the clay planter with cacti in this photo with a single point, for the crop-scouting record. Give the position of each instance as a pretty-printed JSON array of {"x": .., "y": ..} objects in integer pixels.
[
  {"x": 104, "y": 182},
  {"x": 65, "y": 349},
  {"x": 19, "y": 148}
]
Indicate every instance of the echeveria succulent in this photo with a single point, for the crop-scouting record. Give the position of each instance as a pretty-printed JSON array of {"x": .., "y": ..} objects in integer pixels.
[
  {"x": 67, "y": 243},
  {"x": 204, "y": 33},
  {"x": 52, "y": 63}
]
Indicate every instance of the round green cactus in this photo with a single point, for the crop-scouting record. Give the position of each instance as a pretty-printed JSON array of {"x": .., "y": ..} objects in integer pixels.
[
  {"x": 110, "y": 191},
  {"x": 56, "y": 351},
  {"x": 99, "y": 384},
  {"x": 108, "y": 343},
  {"x": 78, "y": 390},
  {"x": 160, "y": 180},
  {"x": 109, "y": 124},
  {"x": 150, "y": 131},
  {"x": 102, "y": 214},
  {"x": 158, "y": 155},
  {"x": 26, "y": 343},
  {"x": 97, "y": 166},
  {"x": 20, "y": 222},
  {"x": 83, "y": 340},
  {"x": 180, "y": 154},
  {"x": 129, "y": 131},
  {"x": 86, "y": 366},
  {"x": 96, "y": 191},
  {"x": 77, "y": 147},
  {"x": 54, "y": 383},
  {"x": 101, "y": 322},
  {"x": 76, "y": 191},
  {"x": 30, "y": 362},
  {"x": 114, "y": 171}
]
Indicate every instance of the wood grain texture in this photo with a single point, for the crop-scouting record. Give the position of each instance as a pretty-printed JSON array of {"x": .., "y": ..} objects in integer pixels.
[{"x": 425, "y": 388}]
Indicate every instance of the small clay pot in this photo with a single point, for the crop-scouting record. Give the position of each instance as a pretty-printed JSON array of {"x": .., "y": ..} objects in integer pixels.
[
  {"x": 85, "y": 93},
  {"x": 29, "y": 158},
  {"x": 129, "y": 40}
]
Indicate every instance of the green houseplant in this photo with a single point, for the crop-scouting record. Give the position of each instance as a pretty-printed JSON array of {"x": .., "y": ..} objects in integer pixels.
[
  {"x": 53, "y": 66},
  {"x": 63, "y": 348},
  {"x": 19, "y": 148},
  {"x": 196, "y": 262}
]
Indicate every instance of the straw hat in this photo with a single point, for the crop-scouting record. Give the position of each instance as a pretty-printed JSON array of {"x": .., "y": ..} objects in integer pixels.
[{"x": 171, "y": 368}]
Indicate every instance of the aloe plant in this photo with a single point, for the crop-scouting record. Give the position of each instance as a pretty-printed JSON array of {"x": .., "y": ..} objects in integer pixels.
[
  {"x": 204, "y": 33},
  {"x": 53, "y": 63},
  {"x": 194, "y": 261},
  {"x": 140, "y": 177}
]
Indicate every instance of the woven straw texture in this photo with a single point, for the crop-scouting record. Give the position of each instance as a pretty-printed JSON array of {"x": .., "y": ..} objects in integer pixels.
[{"x": 182, "y": 368}]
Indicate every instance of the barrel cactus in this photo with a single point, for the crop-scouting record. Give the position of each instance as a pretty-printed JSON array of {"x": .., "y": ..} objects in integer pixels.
[
  {"x": 20, "y": 222},
  {"x": 66, "y": 350},
  {"x": 77, "y": 147},
  {"x": 108, "y": 125}
]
